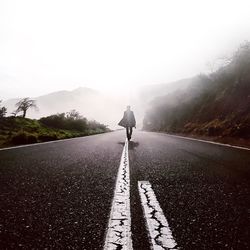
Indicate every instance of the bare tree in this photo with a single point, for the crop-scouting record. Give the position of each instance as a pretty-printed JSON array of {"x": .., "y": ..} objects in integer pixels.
[{"x": 24, "y": 104}]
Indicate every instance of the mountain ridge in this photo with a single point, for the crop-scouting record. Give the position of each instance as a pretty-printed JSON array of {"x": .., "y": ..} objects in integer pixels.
[{"x": 215, "y": 105}]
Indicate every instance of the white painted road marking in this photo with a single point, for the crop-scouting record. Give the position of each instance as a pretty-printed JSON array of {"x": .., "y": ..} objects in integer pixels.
[
  {"x": 210, "y": 142},
  {"x": 36, "y": 144},
  {"x": 119, "y": 228},
  {"x": 159, "y": 231}
]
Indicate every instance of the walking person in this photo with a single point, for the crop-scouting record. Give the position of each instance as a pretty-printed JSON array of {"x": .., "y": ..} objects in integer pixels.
[{"x": 128, "y": 122}]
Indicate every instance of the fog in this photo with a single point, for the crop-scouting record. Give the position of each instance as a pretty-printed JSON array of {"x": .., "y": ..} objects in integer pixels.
[
  {"x": 97, "y": 105},
  {"x": 47, "y": 46},
  {"x": 125, "y": 52}
]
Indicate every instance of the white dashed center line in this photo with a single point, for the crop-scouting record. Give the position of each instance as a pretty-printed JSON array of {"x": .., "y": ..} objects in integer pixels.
[
  {"x": 119, "y": 228},
  {"x": 159, "y": 231}
]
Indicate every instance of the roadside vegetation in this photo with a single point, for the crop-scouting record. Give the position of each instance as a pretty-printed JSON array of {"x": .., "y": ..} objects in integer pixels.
[
  {"x": 18, "y": 130},
  {"x": 215, "y": 106}
]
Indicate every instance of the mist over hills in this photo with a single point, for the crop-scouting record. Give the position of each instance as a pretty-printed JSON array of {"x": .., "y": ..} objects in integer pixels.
[
  {"x": 95, "y": 105},
  {"x": 215, "y": 105},
  {"x": 90, "y": 103}
]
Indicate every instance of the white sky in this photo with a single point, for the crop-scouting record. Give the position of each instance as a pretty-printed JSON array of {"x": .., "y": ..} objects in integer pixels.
[{"x": 50, "y": 45}]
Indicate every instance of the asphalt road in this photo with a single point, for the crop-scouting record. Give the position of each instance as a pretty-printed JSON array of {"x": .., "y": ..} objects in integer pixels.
[{"x": 59, "y": 195}]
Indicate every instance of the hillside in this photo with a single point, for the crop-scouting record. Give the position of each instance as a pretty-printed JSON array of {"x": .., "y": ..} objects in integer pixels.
[
  {"x": 18, "y": 130},
  {"x": 215, "y": 105}
]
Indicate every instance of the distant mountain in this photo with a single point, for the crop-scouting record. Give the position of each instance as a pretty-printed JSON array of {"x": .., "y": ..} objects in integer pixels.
[
  {"x": 90, "y": 103},
  {"x": 216, "y": 105}
]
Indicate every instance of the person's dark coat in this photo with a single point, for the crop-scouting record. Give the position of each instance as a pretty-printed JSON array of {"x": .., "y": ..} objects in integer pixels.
[{"x": 128, "y": 119}]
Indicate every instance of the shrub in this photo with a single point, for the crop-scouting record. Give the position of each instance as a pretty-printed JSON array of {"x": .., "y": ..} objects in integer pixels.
[
  {"x": 47, "y": 137},
  {"x": 61, "y": 121},
  {"x": 23, "y": 138},
  {"x": 214, "y": 131},
  {"x": 94, "y": 125},
  {"x": 3, "y": 111}
]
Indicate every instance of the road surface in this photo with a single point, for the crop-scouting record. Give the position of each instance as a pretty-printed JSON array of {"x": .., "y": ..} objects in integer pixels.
[{"x": 63, "y": 195}]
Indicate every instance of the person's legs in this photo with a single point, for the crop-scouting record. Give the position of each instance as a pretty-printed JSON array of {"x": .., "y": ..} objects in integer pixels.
[{"x": 128, "y": 134}]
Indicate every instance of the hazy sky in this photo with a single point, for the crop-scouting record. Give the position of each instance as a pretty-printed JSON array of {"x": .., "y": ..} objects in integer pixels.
[{"x": 49, "y": 45}]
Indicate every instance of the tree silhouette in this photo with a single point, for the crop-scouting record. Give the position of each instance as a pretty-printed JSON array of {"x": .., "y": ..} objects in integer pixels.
[{"x": 24, "y": 104}]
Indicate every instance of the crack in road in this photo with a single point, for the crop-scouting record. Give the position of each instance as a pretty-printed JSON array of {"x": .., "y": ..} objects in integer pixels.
[
  {"x": 119, "y": 228},
  {"x": 159, "y": 232},
  {"x": 154, "y": 217}
]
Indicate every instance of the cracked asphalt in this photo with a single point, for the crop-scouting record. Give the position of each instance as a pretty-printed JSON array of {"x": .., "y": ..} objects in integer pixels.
[
  {"x": 119, "y": 229},
  {"x": 59, "y": 195},
  {"x": 159, "y": 233}
]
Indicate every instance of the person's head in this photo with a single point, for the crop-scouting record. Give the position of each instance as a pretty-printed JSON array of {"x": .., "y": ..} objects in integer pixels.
[{"x": 128, "y": 107}]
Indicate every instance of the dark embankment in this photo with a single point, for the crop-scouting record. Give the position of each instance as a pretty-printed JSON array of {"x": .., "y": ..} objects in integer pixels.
[{"x": 215, "y": 106}]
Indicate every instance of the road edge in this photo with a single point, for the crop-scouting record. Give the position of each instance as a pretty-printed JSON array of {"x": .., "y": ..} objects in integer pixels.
[
  {"x": 201, "y": 140},
  {"x": 47, "y": 142}
]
